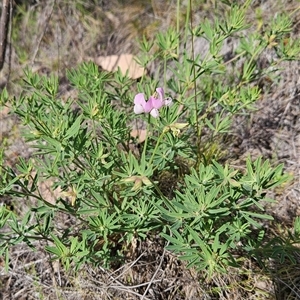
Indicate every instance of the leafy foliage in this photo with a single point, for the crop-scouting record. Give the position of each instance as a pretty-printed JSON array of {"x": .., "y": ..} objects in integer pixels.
[{"x": 113, "y": 190}]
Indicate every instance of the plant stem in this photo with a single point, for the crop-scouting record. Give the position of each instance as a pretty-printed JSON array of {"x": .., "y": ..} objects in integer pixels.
[
  {"x": 198, "y": 130},
  {"x": 146, "y": 139},
  {"x": 156, "y": 146},
  {"x": 178, "y": 24}
]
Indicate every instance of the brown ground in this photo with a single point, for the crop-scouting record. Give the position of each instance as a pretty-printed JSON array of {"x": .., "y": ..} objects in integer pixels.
[{"x": 51, "y": 36}]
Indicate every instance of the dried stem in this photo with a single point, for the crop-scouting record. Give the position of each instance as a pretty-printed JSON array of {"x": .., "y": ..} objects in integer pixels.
[{"x": 5, "y": 18}]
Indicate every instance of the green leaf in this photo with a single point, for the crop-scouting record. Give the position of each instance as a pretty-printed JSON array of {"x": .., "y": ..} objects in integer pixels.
[{"x": 74, "y": 129}]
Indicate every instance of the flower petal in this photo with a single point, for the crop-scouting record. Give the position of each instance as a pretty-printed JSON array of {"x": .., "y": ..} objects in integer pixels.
[
  {"x": 161, "y": 93},
  {"x": 156, "y": 103},
  {"x": 154, "y": 113},
  {"x": 140, "y": 99},
  {"x": 148, "y": 106},
  {"x": 138, "y": 109},
  {"x": 168, "y": 101}
]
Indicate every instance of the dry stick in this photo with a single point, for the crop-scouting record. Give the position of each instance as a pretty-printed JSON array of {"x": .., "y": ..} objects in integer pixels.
[
  {"x": 4, "y": 29},
  {"x": 152, "y": 279},
  {"x": 43, "y": 33},
  {"x": 124, "y": 288},
  {"x": 9, "y": 41}
]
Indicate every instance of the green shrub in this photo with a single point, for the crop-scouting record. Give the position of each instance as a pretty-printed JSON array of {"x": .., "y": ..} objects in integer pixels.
[{"x": 114, "y": 189}]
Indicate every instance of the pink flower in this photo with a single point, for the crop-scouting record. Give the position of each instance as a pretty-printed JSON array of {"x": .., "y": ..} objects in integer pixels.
[
  {"x": 139, "y": 103},
  {"x": 152, "y": 105}
]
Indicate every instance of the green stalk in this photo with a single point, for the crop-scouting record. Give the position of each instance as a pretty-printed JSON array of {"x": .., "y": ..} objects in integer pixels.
[
  {"x": 198, "y": 129},
  {"x": 165, "y": 71},
  {"x": 178, "y": 23},
  {"x": 156, "y": 146},
  {"x": 146, "y": 139}
]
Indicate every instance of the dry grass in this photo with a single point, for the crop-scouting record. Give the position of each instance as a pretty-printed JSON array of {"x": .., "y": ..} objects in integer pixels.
[{"x": 51, "y": 36}]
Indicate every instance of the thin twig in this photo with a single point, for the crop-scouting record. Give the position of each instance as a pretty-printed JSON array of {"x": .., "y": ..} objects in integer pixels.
[
  {"x": 9, "y": 41},
  {"x": 42, "y": 33},
  {"x": 154, "y": 275},
  {"x": 4, "y": 21}
]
